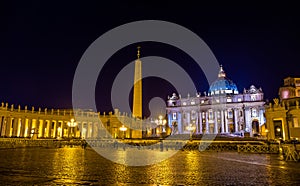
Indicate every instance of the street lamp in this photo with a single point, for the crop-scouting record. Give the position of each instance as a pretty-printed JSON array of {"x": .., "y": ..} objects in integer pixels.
[
  {"x": 72, "y": 124},
  {"x": 123, "y": 129},
  {"x": 190, "y": 128},
  {"x": 161, "y": 122}
]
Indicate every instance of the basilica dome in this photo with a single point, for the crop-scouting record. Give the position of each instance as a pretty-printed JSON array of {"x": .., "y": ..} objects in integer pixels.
[{"x": 222, "y": 85}]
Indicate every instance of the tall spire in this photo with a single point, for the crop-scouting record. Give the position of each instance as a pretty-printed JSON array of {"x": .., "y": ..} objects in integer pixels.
[
  {"x": 221, "y": 72},
  {"x": 138, "y": 52},
  {"x": 137, "y": 87}
]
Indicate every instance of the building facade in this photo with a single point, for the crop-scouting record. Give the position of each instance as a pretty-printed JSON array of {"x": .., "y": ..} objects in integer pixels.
[
  {"x": 283, "y": 115},
  {"x": 57, "y": 123},
  {"x": 222, "y": 110}
]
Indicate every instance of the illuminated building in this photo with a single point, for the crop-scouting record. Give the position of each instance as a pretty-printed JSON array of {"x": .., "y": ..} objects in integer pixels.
[
  {"x": 283, "y": 115},
  {"x": 222, "y": 110},
  {"x": 54, "y": 123}
]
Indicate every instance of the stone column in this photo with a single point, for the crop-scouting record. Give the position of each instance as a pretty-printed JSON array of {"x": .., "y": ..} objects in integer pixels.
[
  {"x": 1, "y": 125},
  {"x": 207, "y": 123},
  {"x": 216, "y": 122},
  {"x": 57, "y": 125},
  {"x": 247, "y": 121},
  {"x": 29, "y": 127},
  {"x": 75, "y": 129},
  {"x": 48, "y": 129},
  {"x": 222, "y": 121},
  {"x": 170, "y": 117},
  {"x": 236, "y": 128},
  {"x": 42, "y": 127},
  {"x": 62, "y": 128},
  {"x": 179, "y": 123},
  {"x": 55, "y": 129},
  {"x": 93, "y": 130},
  {"x": 88, "y": 130},
  {"x": 8, "y": 126},
  {"x": 197, "y": 124},
  {"x": 3, "y": 129},
  {"x": 23, "y": 127},
  {"x": 200, "y": 122},
  {"x": 15, "y": 127},
  {"x": 226, "y": 121},
  {"x": 37, "y": 126},
  {"x": 69, "y": 131},
  {"x": 188, "y": 117}
]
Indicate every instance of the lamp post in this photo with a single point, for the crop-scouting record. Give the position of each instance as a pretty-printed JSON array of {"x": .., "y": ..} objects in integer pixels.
[
  {"x": 72, "y": 124},
  {"x": 123, "y": 129},
  {"x": 161, "y": 123}
]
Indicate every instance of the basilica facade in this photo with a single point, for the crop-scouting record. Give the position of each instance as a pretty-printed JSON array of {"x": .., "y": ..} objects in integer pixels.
[{"x": 223, "y": 110}]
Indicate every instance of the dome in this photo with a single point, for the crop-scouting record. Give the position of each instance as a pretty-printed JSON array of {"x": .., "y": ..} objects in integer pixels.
[{"x": 222, "y": 85}]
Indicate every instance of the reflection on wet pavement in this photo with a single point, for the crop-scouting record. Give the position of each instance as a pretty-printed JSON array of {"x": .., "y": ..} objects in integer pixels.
[{"x": 76, "y": 166}]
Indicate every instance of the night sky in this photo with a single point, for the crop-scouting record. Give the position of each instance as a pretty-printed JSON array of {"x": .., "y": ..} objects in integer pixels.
[{"x": 41, "y": 44}]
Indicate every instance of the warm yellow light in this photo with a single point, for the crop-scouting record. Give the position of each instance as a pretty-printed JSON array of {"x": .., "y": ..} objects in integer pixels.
[
  {"x": 278, "y": 129},
  {"x": 72, "y": 123},
  {"x": 160, "y": 117},
  {"x": 123, "y": 128},
  {"x": 164, "y": 121},
  {"x": 190, "y": 128},
  {"x": 266, "y": 131}
]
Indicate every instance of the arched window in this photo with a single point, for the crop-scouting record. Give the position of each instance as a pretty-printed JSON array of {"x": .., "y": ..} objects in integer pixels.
[
  {"x": 253, "y": 112},
  {"x": 230, "y": 115}
]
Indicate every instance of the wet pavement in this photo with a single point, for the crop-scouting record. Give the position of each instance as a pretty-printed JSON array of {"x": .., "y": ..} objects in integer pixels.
[{"x": 76, "y": 166}]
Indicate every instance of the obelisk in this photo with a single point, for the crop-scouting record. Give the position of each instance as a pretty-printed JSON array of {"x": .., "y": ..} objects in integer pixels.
[{"x": 137, "y": 87}]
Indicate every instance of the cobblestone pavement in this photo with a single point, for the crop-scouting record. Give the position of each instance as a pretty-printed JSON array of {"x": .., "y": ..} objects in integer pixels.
[{"x": 76, "y": 166}]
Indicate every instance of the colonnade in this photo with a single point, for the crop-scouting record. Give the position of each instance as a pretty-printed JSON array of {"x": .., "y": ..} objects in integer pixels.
[
  {"x": 212, "y": 121},
  {"x": 38, "y": 123}
]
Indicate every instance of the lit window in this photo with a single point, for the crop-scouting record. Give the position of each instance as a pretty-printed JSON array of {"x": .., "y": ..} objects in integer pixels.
[
  {"x": 217, "y": 101},
  {"x": 285, "y": 94},
  {"x": 230, "y": 114},
  {"x": 174, "y": 115},
  {"x": 229, "y": 100},
  {"x": 239, "y": 99},
  {"x": 184, "y": 103},
  {"x": 210, "y": 115},
  {"x": 254, "y": 112},
  {"x": 228, "y": 91},
  {"x": 192, "y": 102},
  {"x": 202, "y": 101},
  {"x": 194, "y": 114}
]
